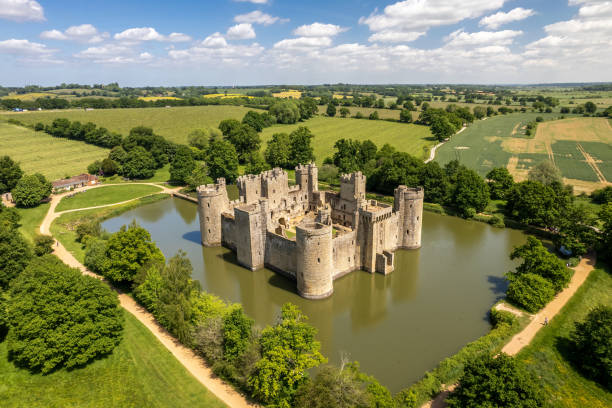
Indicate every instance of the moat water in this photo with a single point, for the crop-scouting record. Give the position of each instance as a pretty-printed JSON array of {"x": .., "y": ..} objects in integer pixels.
[{"x": 397, "y": 326}]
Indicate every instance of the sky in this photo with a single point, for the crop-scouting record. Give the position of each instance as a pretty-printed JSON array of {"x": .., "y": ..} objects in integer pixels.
[{"x": 262, "y": 42}]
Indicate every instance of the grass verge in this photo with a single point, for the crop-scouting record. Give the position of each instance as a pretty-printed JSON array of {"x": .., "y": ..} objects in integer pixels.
[
  {"x": 105, "y": 195},
  {"x": 31, "y": 218}
]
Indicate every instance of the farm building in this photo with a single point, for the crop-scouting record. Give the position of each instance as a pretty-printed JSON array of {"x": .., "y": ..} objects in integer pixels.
[{"x": 81, "y": 180}]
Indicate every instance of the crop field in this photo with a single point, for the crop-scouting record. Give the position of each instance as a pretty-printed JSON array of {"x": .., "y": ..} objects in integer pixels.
[
  {"x": 580, "y": 147},
  {"x": 30, "y": 96},
  {"x": 156, "y": 98},
  {"x": 414, "y": 139},
  {"x": 288, "y": 94},
  {"x": 37, "y": 152},
  {"x": 172, "y": 123}
]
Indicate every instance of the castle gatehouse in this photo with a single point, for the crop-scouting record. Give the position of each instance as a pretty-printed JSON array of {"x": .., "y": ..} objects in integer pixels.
[{"x": 311, "y": 236}]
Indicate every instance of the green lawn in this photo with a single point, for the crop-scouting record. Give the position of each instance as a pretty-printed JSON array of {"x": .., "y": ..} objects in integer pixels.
[
  {"x": 561, "y": 383},
  {"x": 139, "y": 373},
  {"x": 106, "y": 195},
  {"x": 172, "y": 123},
  {"x": 31, "y": 219},
  {"x": 38, "y": 152},
  {"x": 414, "y": 139}
]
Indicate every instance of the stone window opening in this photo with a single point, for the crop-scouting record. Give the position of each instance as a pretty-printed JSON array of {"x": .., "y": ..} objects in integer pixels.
[
  {"x": 407, "y": 232},
  {"x": 208, "y": 204},
  {"x": 207, "y": 219},
  {"x": 209, "y": 230},
  {"x": 318, "y": 260}
]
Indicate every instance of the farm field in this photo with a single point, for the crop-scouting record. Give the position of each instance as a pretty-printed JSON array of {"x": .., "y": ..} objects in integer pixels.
[
  {"x": 38, "y": 152},
  {"x": 580, "y": 147},
  {"x": 139, "y": 373},
  {"x": 172, "y": 123},
  {"x": 414, "y": 139},
  {"x": 106, "y": 195},
  {"x": 563, "y": 385}
]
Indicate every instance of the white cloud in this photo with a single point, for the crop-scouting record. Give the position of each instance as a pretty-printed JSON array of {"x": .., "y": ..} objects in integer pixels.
[
  {"x": 496, "y": 20},
  {"x": 229, "y": 54},
  {"x": 24, "y": 47},
  {"x": 85, "y": 33},
  {"x": 460, "y": 38},
  {"x": 319, "y": 30},
  {"x": 253, "y": 1},
  {"x": 215, "y": 40},
  {"x": 303, "y": 43},
  {"x": 114, "y": 54},
  {"x": 148, "y": 34},
  {"x": 257, "y": 17},
  {"x": 243, "y": 31},
  {"x": 404, "y": 19},
  {"x": 21, "y": 10}
]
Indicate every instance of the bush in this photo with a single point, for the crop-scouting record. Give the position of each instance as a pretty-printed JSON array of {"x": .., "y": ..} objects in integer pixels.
[
  {"x": 592, "y": 345},
  {"x": 95, "y": 255},
  {"x": 530, "y": 291},
  {"x": 88, "y": 228},
  {"x": 43, "y": 245},
  {"x": 497, "y": 221},
  {"x": 58, "y": 317}
]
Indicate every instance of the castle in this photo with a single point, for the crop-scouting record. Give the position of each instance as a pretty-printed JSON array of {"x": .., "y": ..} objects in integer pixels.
[{"x": 311, "y": 236}]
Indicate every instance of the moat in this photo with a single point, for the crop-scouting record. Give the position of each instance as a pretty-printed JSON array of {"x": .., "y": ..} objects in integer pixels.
[{"x": 397, "y": 326}]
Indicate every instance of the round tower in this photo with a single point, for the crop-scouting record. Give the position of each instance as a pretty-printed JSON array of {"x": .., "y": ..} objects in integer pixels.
[
  {"x": 408, "y": 204},
  {"x": 212, "y": 201},
  {"x": 314, "y": 260}
]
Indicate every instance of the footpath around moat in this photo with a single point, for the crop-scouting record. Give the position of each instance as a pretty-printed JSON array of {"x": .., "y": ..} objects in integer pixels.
[{"x": 203, "y": 372}]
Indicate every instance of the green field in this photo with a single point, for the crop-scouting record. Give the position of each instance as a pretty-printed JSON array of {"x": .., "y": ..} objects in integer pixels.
[
  {"x": 570, "y": 161},
  {"x": 106, "y": 195},
  {"x": 139, "y": 373},
  {"x": 414, "y": 139},
  {"x": 37, "y": 152},
  {"x": 172, "y": 123},
  {"x": 602, "y": 153},
  {"x": 31, "y": 218},
  {"x": 561, "y": 383}
]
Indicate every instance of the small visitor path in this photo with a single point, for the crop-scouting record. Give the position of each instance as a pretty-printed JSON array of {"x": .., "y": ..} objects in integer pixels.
[
  {"x": 432, "y": 154},
  {"x": 524, "y": 337},
  {"x": 186, "y": 356}
]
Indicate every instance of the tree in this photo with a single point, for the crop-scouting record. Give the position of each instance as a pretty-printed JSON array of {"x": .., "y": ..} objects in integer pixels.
[
  {"x": 489, "y": 382},
  {"x": 373, "y": 116},
  {"x": 15, "y": 252},
  {"x": 331, "y": 110},
  {"x": 118, "y": 154},
  {"x": 10, "y": 173},
  {"x": 236, "y": 333},
  {"x": 182, "y": 165},
  {"x": 198, "y": 177},
  {"x": 128, "y": 250},
  {"x": 328, "y": 173},
  {"x": 332, "y": 388},
  {"x": 254, "y": 120},
  {"x": 592, "y": 345},
  {"x": 605, "y": 215},
  {"x": 255, "y": 164},
  {"x": 500, "y": 182},
  {"x": 228, "y": 125},
  {"x": 277, "y": 152},
  {"x": 58, "y": 317},
  {"x": 43, "y": 245},
  {"x": 139, "y": 164},
  {"x": 531, "y": 202},
  {"x": 442, "y": 128},
  {"x": 300, "y": 148},
  {"x": 590, "y": 107},
  {"x": 405, "y": 116},
  {"x": 109, "y": 167},
  {"x": 529, "y": 291},
  {"x": 222, "y": 161},
  {"x": 286, "y": 112},
  {"x": 435, "y": 183},
  {"x": 470, "y": 194},
  {"x": 479, "y": 112},
  {"x": 344, "y": 112},
  {"x": 200, "y": 138},
  {"x": 545, "y": 172},
  {"x": 245, "y": 139},
  {"x": 289, "y": 350},
  {"x": 31, "y": 190}
]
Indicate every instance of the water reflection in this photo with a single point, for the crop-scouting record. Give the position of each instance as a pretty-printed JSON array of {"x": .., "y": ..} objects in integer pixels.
[{"x": 397, "y": 326}]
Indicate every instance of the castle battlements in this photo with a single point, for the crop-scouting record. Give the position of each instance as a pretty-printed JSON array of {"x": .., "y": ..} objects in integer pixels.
[{"x": 308, "y": 235}]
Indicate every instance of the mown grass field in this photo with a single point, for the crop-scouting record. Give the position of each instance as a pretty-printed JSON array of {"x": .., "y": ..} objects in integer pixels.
[
  {"x": 31, "y": 218},
  {"x": 37, "y": 152},
  {"x": 172, "y": 123},
  {"x": 414, "y": 139},
  {"x": 106, "y": 195},
  {"x": 139, "y": 373},
  {"x": 563, "y": 385}
]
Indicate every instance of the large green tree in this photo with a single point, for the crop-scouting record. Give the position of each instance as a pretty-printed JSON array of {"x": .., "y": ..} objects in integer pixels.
[
  {"x": 277, "y": 151},
  {"x": 10, "y": 173},
  {"x": 470, "y": 193},
  {"x": 545, "y": 172},
  {"x": 286, "y": 112},
  {"x": 222, "y": 160},
  {"x": 31, "y": 190},
  {"x": 245, "y": 139},
  {"x": 237, "y": 332},
  {"x": 128, "y": 250},
  {"x": 289, "y": 350},
  {"x": 139, "y": 164},
  {"x": 15, "y": 252},
  {"x": 500, "y": 182},
  {"x": 182, "y": 165},
  {"x": 58, "y": 317},
  {"x": 300, "y": 146}
]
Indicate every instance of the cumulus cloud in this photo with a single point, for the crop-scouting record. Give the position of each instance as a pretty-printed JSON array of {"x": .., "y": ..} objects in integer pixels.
[
  {"x": 460, "y": 38},
  {"x": 407, "y": 20},
  {"x": 139, "y": 34},
  {"x": 496, "y": 20},
  {"x": 24, "y": 47},
  {"x": 230, "y": 54},
  {"x": 243, "y": 31},
  {"x": 86, "y": 33},
  {"x": 114, "y": 54},
  {"x": 319, "y": 30},
  {"x": 253, "y": 1},
  {"x": 257, "y": 17},
  {"x": 21, "y": 10},
  {"x": 215, "y": 40},
  {"x": 301, "y": 43}
]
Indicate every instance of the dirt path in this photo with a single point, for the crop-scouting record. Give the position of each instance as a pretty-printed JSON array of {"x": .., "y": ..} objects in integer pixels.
[
  {"x": 432, "y": 154},
  {"x": 524, "y": 337},
  {"x": 187, "y": 357},
  {"x": 591, "y": 162}
]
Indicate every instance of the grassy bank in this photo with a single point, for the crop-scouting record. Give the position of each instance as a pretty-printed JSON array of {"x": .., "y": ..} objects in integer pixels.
[
  {"x": 31, "y": 218},
  {"x": 563, "y": 385},
  {"x": 105, "y": 195},
  {"x": 63, "y": 228},
  {"x": 139, "y": 373}
]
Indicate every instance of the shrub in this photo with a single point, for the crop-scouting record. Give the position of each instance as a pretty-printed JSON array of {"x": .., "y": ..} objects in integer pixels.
[
  {"x": 236, "y": 333},
  {"x": 95, "y": 255},
  {"x": 530, "y": 291},
  {"x": 58, "y": 317},
  {"x": 592, "y": 345},
  {"x": 90, "y": 228},
  {"x": 43, "y": 245}
]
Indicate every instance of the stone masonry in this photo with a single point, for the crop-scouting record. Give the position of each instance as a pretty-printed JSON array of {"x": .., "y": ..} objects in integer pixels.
[{"x": 311, "y": 236}]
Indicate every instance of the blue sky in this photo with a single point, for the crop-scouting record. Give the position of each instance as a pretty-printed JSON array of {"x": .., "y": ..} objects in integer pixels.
[{"x": 250, "y": 42}]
